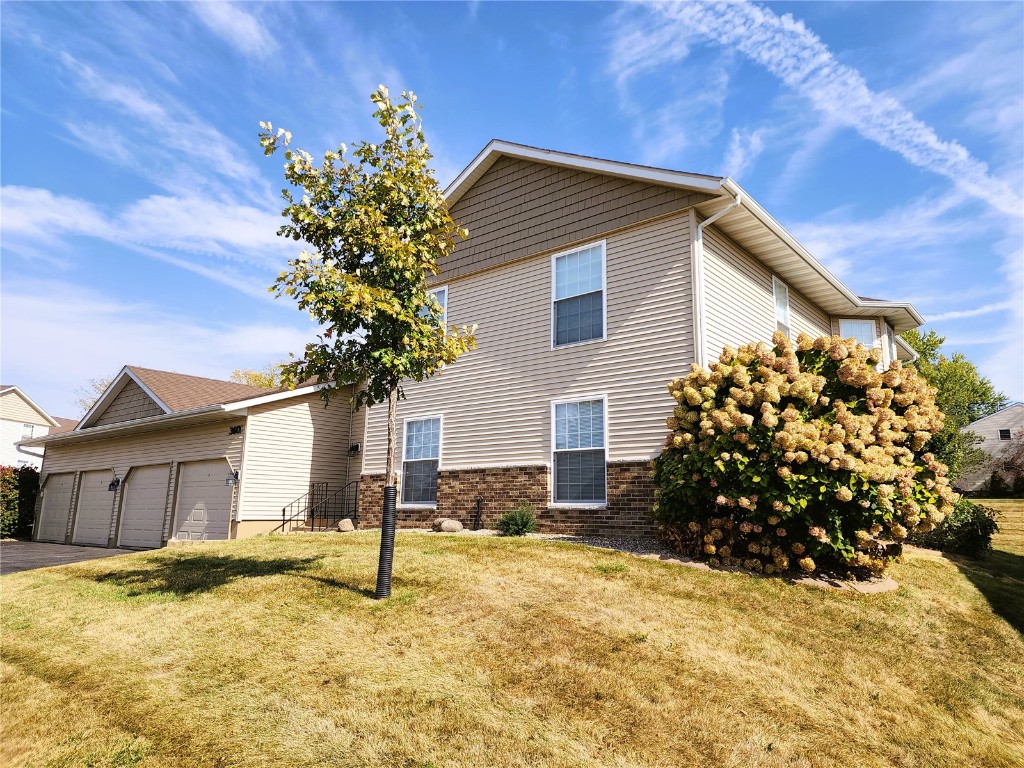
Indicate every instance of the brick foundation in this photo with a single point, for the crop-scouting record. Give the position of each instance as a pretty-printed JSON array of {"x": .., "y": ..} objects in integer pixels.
[{"x": 630, "y": 497}]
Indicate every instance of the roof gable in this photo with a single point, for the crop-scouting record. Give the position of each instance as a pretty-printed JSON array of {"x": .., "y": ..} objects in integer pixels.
[
  {"x": 9, "y": 391},
  {"x": 138, "y": 393},
  {"x": 521, "y": 207}
]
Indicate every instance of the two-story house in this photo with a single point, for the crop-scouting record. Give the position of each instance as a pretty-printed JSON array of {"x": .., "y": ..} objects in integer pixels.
[
  {"x": 22, "y": 419},
  {"x": 592, "y": 284}
]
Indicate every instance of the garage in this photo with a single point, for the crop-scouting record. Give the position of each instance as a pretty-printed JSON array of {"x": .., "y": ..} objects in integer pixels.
[
  {"x": 203, "y": 511},
  {"x": 95, "y": 507},
  {"x": 142, "y": 510},
  {"x": 53, "y": 517}
]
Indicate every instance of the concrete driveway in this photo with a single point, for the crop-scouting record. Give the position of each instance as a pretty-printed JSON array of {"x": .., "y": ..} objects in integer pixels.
[{"x": 18, "y": 556}]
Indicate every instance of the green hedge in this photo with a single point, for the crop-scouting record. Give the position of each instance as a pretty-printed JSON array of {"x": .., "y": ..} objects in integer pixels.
[{"x": 18, "y": 489}]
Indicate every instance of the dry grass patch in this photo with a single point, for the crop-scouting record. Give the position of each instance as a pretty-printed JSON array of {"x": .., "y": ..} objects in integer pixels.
[{"x": 495, "y": 652}]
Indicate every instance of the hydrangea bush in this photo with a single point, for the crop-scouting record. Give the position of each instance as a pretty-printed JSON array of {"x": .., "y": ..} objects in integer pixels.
[{"x": 805, "y": 458}]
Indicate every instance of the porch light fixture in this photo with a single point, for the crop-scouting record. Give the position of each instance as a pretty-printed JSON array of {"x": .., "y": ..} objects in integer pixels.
[
  {"x": 232, "y": 478},
  {"x": 355, "y": 448},
  {"x": 114, "y": 484}
]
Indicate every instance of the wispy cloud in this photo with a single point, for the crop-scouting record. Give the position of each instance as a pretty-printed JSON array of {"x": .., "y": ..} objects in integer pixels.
[
  {"x": 799, "y": 58},
  {"x": 161, "y": 139},
  {"x": 744, "y": 149},
  {"x": 235, "y": 26},
  {"x": 231, "y": 243},
  {"x": 959, "y": 314},
  {"x": 68, "y": 321}
]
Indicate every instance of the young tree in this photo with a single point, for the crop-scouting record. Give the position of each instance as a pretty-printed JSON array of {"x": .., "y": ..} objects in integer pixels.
[
  {"x": 376, "y": 225},
  {"x": 267, "y": 376},
  {"x": 964, "y": 396},
  {"x": 87, "y": 394}
]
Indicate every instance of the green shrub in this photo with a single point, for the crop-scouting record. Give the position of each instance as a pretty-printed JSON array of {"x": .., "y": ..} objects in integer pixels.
[
  {"x": 782, "y": 458},
  {"x": 518, "y": 521},
  {"x": 997, "y": 487},
  {"x": 18, "y": 489},
  {"x": 967, "y": 531}
]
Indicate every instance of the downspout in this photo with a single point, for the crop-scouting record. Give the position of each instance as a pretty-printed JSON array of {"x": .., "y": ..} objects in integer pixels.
[
  {"x": 698, "y": 277},
  {"x": 27, "y": 453}
]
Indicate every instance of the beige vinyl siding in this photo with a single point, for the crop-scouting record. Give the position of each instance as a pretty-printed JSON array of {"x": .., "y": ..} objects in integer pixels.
[
  {"x": 131, "y": 403},
  {"x": 739, "y": 306},
  {"x": 14, "y": 408},
  {"x": 738, "y": 302},
  {"x": 290, "y": 445},
  {"x": 805, "y": 317},
  {"x": 495, "y": 401},
  {"x": 121, "y": 453},
  {"x": 518, "y": 208}
]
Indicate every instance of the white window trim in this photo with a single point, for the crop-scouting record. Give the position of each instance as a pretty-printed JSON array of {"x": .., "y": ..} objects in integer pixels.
[
  {"x": 604, "y": 293},
  {"x": 889, "y": 347},
  {"x": 28, "y": 431},
  {"x": 872, "y": 320},
  {"x": 551, "y": 495},
  {"x": 777, "y": 282},
  {"x": 433, "y": 291},
  {"x": 401, "y": 453}
]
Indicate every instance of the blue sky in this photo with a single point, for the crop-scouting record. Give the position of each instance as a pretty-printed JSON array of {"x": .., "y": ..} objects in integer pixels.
[{"x": 138, "y": 212}]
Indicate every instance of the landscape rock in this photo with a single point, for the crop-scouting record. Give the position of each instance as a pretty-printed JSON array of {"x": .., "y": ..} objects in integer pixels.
[
  {"x": 346, "y": 525},
  {"x": 446, "y": 525}
]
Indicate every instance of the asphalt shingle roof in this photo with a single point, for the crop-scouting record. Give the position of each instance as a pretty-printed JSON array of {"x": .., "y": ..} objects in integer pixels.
[{"x": 181, "y": 392}]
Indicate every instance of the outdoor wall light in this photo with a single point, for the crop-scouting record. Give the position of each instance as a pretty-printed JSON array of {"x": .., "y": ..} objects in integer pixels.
[
  {"x": 232, "y": 478},
  {"x": 355, "y": 448},
  {"x": 114, "y": 484}
]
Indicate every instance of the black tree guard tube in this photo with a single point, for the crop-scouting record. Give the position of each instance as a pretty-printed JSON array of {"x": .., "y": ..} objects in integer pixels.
[{"x": 387, "y": 544}]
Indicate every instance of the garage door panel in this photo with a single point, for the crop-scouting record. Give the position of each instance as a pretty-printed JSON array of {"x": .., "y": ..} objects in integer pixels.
[
  {"x": 203, "y": 511},
  {"x": 142, "y": 511},
  {"x": 95, "y": 508},
  {"x": 53, "y": 516}
]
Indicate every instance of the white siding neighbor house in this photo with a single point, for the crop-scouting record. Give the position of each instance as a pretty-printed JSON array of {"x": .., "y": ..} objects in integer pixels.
[
  {"x": 22, "y": 419},
  {"x": 997, "y": 431}
]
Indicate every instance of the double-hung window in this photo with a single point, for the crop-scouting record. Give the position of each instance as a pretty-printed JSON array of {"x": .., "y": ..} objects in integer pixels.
[
  {"x": 579, "y": 452},
  {"x": 441, "y": 296},
  {"x": 862, "y": 331},
  {"x": 420, "y": 457},
  {"x": 578, "y": 297},
  {"x": 781, "y": 293}
]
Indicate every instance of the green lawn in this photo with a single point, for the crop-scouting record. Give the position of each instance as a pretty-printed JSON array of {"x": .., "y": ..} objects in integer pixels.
[{"x": 497, "y": 652}]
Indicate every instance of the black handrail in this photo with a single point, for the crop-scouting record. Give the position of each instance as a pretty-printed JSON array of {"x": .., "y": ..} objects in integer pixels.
[{"x": 320, "y": 510}]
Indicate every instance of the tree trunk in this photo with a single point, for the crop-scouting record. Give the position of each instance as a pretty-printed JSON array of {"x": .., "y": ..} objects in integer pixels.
[{"x": 388, "y": 514}]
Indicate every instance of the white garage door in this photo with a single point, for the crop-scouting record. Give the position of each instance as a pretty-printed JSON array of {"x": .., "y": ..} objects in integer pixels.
[
  {"x": 53, "y": 517},
  {"x": 142, "y": 511},
  {"x": 95, "y": 508},
  {"x": 204, "y": 501}
]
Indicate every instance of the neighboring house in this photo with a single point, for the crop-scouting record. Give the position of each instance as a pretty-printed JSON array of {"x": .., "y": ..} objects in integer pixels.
[
  {"x": 997, "y": 431},
  {"x": 163, "y": 456},
  {"x": 21, "y": 419},
  {"x": 593, "y": 284}
]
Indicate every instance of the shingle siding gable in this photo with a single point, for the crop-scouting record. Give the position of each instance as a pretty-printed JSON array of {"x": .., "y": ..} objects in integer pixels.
[{"x": 520, "y": 208}]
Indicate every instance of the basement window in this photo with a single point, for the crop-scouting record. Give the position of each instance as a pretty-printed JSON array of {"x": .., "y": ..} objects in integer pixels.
[
  {"x": 421, "y": 456},
  {"x": 578, "y": 296},
  {"x": 579, "y": 453}
]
